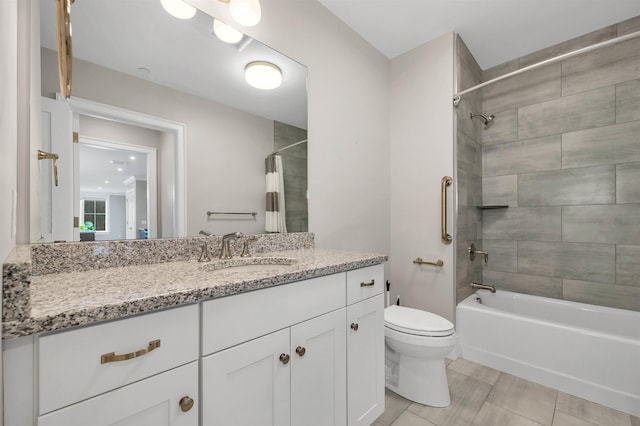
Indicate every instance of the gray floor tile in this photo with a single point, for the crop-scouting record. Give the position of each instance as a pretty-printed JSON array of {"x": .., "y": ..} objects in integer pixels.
[
  {"x": 477, "y": 371},
  {"x": 490, "y": 415},
  {"x": 635, "y": 421},
  {"x": 562, "y": 419},
  {"x": 590, "y": 411},
  {"x": 467, "y": 397},
  {"x": 394, "y": 406},
  {"x": 530, "y": 400},
  {"x": 410, "y": 419}
]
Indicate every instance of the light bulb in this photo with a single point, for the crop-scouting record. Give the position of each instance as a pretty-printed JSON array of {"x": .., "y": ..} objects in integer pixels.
[
  {"x": 245, "y": 12},
  {"x": 178, "y": 9},
  {"x": 263, "y": 75},
  {"x": 226, "y": 33}
]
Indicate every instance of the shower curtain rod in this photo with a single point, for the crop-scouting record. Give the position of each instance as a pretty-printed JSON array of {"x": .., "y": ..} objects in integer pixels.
[
  {"x": 456, "y": 97},
  {"x": 288, "y": 146}
]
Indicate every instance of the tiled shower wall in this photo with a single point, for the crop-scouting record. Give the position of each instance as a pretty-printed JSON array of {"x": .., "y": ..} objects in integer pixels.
[
  {"x": 294, "y": 163},
  {"x": 564, "y": 155},
  {"x": 469, "y": 172}
]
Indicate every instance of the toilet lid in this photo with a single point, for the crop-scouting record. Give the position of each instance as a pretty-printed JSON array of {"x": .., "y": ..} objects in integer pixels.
[{"x": 416, "y": 321}]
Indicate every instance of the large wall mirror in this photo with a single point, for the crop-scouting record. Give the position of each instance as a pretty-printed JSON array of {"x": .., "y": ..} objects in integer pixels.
[{"x": 171, "y": 139}]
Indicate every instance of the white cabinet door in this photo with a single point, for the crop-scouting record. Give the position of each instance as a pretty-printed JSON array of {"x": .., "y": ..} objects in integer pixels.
[
  {"x": 151, "y": 402},
  {"x": 365, "y": 360},
  {"x": 318, "y": 371},
  {"x": 248, "y": 384}
]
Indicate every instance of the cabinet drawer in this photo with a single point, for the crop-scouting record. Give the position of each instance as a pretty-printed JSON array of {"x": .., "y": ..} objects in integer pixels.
[
  {"x": 153, "y": 401},
  {"x": 364, "y": 283},
  {"x": 235, "y": 319},
  {"x": 71, "y": 367}
]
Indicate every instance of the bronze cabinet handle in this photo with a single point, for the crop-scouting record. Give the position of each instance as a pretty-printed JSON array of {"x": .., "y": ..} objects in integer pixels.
[
  {"x": 186, "y": 403},
  {"x": 284, "y": 358},
  {"x": 300, "y": 351},
  {"x": 354, "y": 326},
  {"x": 112, "y": 357},
  {"x": 369, "y": 284}
]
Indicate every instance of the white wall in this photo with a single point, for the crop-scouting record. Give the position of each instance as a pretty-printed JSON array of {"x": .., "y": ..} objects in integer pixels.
[
  {"x": 348, "y": 119},
  {"x": 422, "y": 84},
  {"x": 8, "y": 134}
]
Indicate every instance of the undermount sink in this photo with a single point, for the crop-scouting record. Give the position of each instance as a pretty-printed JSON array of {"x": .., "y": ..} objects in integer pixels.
[{"x": 249, "y": 264}]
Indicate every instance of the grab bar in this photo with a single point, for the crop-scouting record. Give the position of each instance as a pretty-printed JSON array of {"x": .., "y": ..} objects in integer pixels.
[
  {"x": 419, "y": 261},
  {"x": 445, "y": 237},
  {"x": 254, "y": 214}
]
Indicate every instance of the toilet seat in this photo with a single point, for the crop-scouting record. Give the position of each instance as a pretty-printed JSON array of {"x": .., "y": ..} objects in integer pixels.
[{"x": 416, "y": 322}]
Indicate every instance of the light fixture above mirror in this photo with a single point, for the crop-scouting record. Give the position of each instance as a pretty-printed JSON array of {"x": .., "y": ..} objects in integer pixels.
[
  {"x": 178, "y": 9},
  {"x": 245, "y": 12}
]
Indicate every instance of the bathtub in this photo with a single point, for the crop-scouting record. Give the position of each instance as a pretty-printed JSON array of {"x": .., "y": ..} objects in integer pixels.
[{"x": 589, "y": 351}]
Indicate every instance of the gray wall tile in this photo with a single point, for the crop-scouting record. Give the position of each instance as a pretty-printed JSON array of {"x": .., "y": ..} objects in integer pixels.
[
  {"x": 470, "y": 72},
  {"x": 498, "y": 70},
  {"x": 628, "y": 265},
  {"x": 629, "y": 26},
  {"x": 522, "y": 223},
  {"x": 602, "y": 76},
  {"x": 469, "y": 189},
  {"x": 503, "y": 255},
  {"x": 526, "y": 284},
  {"x": 603, "y": 145},
  {"x": 600, "y": 57},
  {"x": 568, "y": 260},
  {"x": 628, "y": 183},
  {"x": 500, "y": 190},
  {"x": 616, "y": 224},
  {"x": 523, "y": 156},
  {"x": 471, "y": 128},
  {"x": 469, "y": 153},
  {"x": 588, "y": 39},
  {"x": 589, "y": 185},
  {"x": 469, "y": 224},
  {"x": 529, "y": 88},
  {"x": 627, "y": 101},
  {"x": 504, "y": 128},
  {"x": 617, "y": 296},
  {"x": 581, "y": 111}
]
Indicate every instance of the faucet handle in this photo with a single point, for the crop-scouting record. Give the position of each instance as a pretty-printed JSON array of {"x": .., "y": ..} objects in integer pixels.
[
  {"x": 245, "y": 246},
  {"x": 204, "y": 254}
]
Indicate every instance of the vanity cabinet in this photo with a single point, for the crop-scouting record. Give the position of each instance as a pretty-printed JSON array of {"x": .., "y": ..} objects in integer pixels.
[
  {"x": 293, "y": 375},
  {"x": 365, "y": 345},
  {"x": 141, "y": 370}
]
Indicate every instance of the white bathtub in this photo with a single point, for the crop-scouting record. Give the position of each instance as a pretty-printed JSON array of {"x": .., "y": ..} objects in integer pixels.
[{"x": 589, "y": 351}]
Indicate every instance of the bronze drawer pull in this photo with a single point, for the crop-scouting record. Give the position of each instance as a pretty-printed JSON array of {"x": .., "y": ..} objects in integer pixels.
[
  {"x": 369, "y": 284},
  {"x": 284, "y": 358},
  {"x": 186, "y": 403},
  {"x": 112, "y": 357},
  {"x": 354, "y": 326},
  {"x": 300, "y": 350}
]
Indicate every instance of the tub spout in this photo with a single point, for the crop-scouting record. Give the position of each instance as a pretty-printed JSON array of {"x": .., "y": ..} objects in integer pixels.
[{"x": 491, "y": 288}]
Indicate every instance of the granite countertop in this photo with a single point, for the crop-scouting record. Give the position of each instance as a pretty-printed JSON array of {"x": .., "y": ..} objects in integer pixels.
[{"x": 67, "y": 299}]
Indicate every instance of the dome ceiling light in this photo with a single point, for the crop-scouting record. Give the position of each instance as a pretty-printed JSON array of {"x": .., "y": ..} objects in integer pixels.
[
  {"x": 178, "y": 9},
  {"x": 263, "y": 75}
]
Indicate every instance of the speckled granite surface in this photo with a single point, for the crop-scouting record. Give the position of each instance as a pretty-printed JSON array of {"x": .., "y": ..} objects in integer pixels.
[{"x": 67, "y": 299}]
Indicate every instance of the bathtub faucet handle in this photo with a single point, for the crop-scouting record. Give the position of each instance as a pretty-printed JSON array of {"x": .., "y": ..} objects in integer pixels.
[{"x": 473, "y": 251}]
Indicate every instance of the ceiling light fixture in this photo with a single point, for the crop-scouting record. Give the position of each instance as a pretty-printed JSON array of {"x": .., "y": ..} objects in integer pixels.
[
  {"x": 245, "y": 12},
  {"x": 226, "y": 33},
  {"x": 263, "y": 75},
  {"x": 178, "y": 9}
]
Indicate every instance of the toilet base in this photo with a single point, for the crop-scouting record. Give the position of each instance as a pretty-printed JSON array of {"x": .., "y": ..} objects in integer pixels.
[{"x": 419, "y": 380}]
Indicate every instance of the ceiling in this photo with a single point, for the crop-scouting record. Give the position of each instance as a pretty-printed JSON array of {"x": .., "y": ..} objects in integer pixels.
[{"x": 495, "y": 31}]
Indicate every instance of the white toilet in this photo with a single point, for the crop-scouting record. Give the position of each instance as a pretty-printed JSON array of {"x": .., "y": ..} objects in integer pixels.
[{"x": 416, "y": 343}]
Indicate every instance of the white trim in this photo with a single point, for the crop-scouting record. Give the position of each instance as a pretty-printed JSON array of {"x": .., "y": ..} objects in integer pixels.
[{"x": 177, "y": 129}]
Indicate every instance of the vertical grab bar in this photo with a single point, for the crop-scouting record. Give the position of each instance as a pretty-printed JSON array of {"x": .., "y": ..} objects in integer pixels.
[{"x": 445, "y": 237}]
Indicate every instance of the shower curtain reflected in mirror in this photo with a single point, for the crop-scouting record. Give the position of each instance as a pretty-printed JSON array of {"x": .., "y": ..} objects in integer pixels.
[{"x": 286, "y": 180}]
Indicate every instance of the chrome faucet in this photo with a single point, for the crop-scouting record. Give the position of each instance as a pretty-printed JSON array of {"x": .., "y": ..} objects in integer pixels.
[
  {"x": 473, "y": 251},
  {"x": 491, "y": 288},
  {"x": 225, "y": 252}
]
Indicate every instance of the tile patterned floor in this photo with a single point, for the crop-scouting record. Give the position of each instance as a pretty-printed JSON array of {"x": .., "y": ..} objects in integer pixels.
[{"x": 482, "y": 396}]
